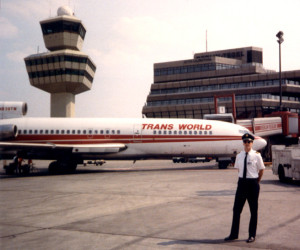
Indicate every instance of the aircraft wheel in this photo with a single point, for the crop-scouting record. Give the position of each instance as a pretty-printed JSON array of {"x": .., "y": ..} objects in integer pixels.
[
  {"x": 72, "y": 167},
  {"x": 224, "y": 164},
  {"x": 53, "y": 167},
  {"x": 10, "y": 169}
]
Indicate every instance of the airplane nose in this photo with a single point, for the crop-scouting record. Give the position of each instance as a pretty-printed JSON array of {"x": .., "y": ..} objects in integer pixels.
[{"x": 260, "y": 143}]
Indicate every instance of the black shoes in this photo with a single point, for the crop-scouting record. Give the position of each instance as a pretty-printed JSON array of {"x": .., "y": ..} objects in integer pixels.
[
  {"x": 230, "y": 238},
  {"x": 250, "y": 240}
]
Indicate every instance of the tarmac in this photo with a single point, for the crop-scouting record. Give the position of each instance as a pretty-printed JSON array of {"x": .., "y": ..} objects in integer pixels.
[{"x": 146, "y": 205}]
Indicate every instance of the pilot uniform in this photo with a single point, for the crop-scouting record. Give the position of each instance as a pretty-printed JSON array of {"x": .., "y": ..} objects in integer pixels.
[{"x": 247, "y": 189}]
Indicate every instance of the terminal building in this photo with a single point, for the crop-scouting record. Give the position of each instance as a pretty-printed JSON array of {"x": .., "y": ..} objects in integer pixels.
[
  {"x": 64, "y": 71},
  {"x": 190, "y": 88}
]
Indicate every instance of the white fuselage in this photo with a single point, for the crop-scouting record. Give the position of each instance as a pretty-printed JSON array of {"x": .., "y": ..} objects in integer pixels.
[{"x": 143, "y": 138}]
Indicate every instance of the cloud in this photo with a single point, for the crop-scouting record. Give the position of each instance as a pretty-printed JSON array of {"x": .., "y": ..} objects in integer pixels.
[
  {"x": 18, "y": 56},
  {"x": 31, "y": 9},
  {"x": 8, "y": 30}
]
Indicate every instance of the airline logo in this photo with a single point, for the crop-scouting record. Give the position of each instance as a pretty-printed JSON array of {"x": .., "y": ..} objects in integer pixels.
[{"x": 152, "y": 126}]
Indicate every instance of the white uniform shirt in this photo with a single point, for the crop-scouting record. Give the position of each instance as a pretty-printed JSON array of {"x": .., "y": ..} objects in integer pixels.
[{"x": 254, "y": 163}]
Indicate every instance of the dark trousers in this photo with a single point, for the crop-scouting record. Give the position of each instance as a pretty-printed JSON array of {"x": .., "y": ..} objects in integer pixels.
[{"x": 248, "y": 189}]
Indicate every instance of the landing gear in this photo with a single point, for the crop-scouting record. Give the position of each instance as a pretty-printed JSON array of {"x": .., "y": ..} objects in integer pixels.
[
  {"x": 61, "y": 167},
  {"x": 17, "y": 167},
  {"x": 224, "y": 164}
]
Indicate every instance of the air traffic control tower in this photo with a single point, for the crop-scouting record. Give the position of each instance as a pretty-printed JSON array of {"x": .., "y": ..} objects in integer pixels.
[{"x": 64, "y": 71}]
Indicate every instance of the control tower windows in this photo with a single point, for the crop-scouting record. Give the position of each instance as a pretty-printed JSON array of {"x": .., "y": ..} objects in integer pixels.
[{"x": 62, "y": 26}]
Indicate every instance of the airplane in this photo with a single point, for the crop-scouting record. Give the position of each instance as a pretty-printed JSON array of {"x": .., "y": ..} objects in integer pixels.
[{"x": 70, "y": 141}]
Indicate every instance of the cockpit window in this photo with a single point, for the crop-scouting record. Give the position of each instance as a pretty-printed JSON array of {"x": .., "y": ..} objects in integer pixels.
[{"x": 242, "y": 132}]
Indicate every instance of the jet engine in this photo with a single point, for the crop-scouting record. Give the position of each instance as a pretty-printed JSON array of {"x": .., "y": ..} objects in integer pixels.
[
  {"x": 12, "y": 109},
  {"x": 8, "y": 132}
]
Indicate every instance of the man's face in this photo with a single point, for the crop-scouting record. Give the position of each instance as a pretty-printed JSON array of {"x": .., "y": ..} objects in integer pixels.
[{"x": 247, "y": 145}]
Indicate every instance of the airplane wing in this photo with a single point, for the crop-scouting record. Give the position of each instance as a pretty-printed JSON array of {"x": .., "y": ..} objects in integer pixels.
[{"x": 44, "y": 148}]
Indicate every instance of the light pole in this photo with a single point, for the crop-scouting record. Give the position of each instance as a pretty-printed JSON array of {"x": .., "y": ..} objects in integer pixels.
[{"x": 280, "y": 41}]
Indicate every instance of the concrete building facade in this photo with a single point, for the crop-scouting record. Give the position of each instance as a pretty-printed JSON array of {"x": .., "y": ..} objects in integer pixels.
[
  {"x": 65, "y": 70},
  {"x": 188, "y": 88}
]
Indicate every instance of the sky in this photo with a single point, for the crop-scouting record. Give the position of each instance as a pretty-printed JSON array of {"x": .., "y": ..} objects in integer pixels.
[{"x": 126, "y": 37}]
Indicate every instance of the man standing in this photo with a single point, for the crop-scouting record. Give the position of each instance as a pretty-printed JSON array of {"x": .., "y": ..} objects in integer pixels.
[{"x": 250, "y": 170}]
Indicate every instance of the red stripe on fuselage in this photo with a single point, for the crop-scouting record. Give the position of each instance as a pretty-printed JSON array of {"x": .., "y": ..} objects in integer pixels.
[{"x": 125, "y": 139}]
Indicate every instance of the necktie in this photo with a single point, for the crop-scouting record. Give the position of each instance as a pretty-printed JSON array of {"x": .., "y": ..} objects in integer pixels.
[{"x": 245, "y": 166}]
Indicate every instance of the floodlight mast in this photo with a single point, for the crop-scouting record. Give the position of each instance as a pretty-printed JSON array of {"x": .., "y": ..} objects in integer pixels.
[{"x": 280, "y": 40}]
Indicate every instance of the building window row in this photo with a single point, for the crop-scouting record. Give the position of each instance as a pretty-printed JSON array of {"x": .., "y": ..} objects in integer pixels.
[
  {"x": 56, "y": 72},
  {"x": 62, "y": 26},
  {"x": 185, "y": 132},
  {"x": 61, "y": 58},
  {"x": 253, "y": 111},
  {"x": 193, "y": 68},
  {"x": 224, "y": 86},
  {"x": 69, "y": 132},
  {"x": 233, "y": 54},
  {"x": 222, "y": 99}
]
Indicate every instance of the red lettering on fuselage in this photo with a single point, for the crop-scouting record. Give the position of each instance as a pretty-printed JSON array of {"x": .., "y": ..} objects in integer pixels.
[
  {"x": 180, "y": 126},
  {"x": 194, "y": 127},
  {"x": 158, "y": 126}
]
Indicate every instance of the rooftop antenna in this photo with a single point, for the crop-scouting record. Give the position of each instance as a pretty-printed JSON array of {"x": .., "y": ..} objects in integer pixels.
[
  {"x": 49, "y": 8},
  {"x": 206, "y": 40}
]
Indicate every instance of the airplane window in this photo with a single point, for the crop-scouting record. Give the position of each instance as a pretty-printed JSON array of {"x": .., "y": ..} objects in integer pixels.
[
  {"x": 205, "y": 132},
  {"x": 73, "y": 132},
  {"x": 175, "y": 132},
  {"x": 107, "y": 131},
  {"x": 180, "y": 132},
  {"x": 96, "y": 132},
  {"x": 113, "y": 132},
  {"x": 190, "y": 132},
  {"x": 46, "y": 131},
  {"x": 101, "y": 132},
  {"x": 195, "y": 132},
  {"x": 57, "y": 131},
  {"x": 30, "y": 131},
  {"x": 118, "y": 132},
  {"x": 200, "y": 132},
  {"x": 210, "y": 132},
  {"x": 154, "y": 132},
  {"x": 25, "y": 132},
  {"x": 84, "y": 131},
  {"x": 20, "y": 131},
  {"x": 159, "y": 132},
  {"x": 185, "y": 132},
  {"x": 62, "y": 132},
  {"x": 78, "y": 132},
  {"x": 165, "y": 132},
  {"x": 90, "y": 132},
  {"x": 35, "y": 131},
  {"x": 170, "y": 132},
  {"x": 68, "y": 131},
  {"x": 41, "y": 131}
]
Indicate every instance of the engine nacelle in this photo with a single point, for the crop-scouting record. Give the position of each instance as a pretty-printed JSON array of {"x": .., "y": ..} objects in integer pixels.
[
  {"x": 12, "y": 109},
  {"x": 8, "y": 132}
]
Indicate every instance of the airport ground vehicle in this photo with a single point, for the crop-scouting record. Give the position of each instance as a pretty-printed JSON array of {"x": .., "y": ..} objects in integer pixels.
[{"x": 286, "y": 162}]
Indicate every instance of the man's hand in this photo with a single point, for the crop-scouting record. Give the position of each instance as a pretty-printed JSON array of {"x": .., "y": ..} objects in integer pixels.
[{"x": 260, "y": 174}]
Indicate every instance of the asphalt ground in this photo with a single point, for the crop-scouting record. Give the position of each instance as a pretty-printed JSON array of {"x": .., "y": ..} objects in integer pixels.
[{"x": 146, "y": 205}]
